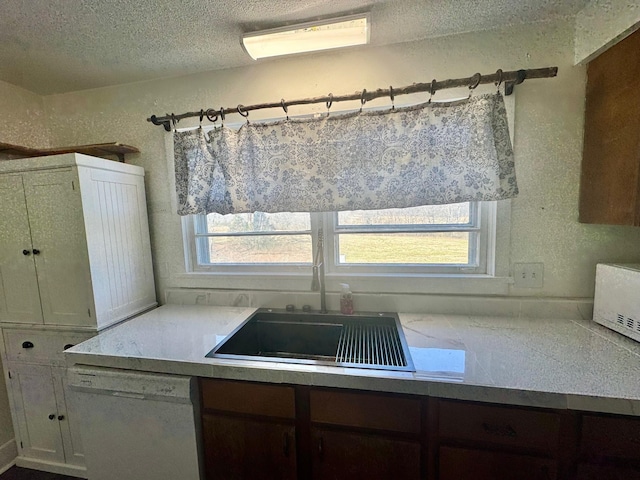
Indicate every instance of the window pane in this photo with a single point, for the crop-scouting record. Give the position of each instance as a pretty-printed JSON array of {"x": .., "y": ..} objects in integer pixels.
[
  {"x": 262, "y": 249},
  {"x": 456, "y": 214},
  {"x": 404, "y": 248},
  {"x": 257, "y": 222}
]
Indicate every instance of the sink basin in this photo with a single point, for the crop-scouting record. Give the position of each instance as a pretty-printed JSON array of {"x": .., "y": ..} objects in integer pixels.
[{"x": 360, "y": 340}]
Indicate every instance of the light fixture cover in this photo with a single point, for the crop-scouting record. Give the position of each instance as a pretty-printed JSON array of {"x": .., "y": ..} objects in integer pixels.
[{"x": 308, "y": 37}]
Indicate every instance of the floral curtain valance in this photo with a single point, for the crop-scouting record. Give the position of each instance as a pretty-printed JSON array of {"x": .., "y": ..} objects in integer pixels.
[{"x": 423, "y": 155}]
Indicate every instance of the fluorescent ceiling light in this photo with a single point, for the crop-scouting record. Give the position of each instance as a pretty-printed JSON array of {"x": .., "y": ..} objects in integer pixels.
[{"x": 308, "y": 37}]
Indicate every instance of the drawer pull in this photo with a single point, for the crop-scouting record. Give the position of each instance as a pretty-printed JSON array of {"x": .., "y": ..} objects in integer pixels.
[
  {"x": 27, "y": 344},
  {"x": 26, "y": 252},
  {"x": 52, "y": 416},
  {"x": 499, "y": 430},
  {"x": 68, "y": 346},
  {"x": 60, "y": 417},
  {"x": 320, "y": 448}
]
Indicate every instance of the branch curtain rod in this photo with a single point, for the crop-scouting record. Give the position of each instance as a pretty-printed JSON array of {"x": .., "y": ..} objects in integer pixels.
[{"x": 510, "y": 79}]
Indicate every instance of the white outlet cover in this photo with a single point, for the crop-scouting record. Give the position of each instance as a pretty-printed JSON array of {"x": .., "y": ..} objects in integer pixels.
[{"x": 528, "y": 275}]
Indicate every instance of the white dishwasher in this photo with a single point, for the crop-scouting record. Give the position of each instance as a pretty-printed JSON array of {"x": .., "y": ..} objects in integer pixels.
[{"x": 136, "y": 425}]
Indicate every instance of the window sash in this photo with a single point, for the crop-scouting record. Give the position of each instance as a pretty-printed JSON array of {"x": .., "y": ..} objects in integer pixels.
[{"x": 480, "y": 246}]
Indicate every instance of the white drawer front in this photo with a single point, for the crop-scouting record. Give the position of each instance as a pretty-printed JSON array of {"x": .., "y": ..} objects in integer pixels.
[{"x": 38, "y": 346}]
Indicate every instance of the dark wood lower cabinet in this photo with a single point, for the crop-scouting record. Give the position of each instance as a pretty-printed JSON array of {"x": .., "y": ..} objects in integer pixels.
[
  {"x": 263, "y": 431},
  {"x": 242, "y": 448},
  {"x": 468, "y": 464},
  {"x": 346, "y": 455}
]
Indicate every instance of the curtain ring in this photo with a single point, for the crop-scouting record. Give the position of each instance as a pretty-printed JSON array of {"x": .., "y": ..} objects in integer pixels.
[
  {"x": 284, "y": 107},
  {"x": 363, "y": 98},
  {"x": 211, "y": 115},
  {"x": 498, "y": 82},
  {"x": 475, "y": 81},
  {"x": 329, "y": 103},
  {"x": 432, "y": 90},
  {"x": 392, "y": 97},
  {"x": 201, "y": 117},
  {"x": 222, "y": 115},
  {"x": 242, "y": 112},
  {"x": 174, "y": 122}
]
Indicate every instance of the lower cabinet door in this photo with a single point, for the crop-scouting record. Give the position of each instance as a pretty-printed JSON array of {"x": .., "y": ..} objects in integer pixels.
[
  {"x": 347, "y": 455},
  {"x": 69, "y": 427},
  {"x": 36, "y": 411},
  {"x": 467, "y": 464},
  {"x": 240, "y": 448}
]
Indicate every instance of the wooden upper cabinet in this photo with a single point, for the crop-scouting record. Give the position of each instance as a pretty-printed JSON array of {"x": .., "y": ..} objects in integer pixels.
[{"x": 610, "y": 178}]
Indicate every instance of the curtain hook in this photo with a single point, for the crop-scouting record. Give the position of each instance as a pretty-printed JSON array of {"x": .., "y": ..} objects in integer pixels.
[
  {"x": 211, "y": 115},
  {"x": 243, "y": 113},
  {"x": 432, "y": 90},
  {"x": 329, "y": 103},
  {"x": 174, "y": 122},
  {"x": 475, "y": 81},
  {"x": 392, "y": 96},
  {"x": 201, "y": 117},
  {"x": 222, "y": 116},
  {"x": 498, "y": 82},
  {"x": 284, "y": 107},
  {"x": 363, "y": 99}
]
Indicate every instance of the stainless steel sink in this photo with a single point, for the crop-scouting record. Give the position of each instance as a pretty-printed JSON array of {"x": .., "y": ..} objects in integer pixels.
[{"x": 360, "y": 340}]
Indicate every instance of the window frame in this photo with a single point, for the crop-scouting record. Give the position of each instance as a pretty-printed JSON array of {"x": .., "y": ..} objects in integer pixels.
[{"x": 482, "y": 223}]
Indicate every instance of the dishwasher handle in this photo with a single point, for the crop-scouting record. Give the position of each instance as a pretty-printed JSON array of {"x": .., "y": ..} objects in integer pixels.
[{"x": 136, "y": 396}]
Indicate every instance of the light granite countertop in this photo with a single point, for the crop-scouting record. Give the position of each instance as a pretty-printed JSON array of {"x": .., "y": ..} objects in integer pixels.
[{"x": 554, "y": 363}]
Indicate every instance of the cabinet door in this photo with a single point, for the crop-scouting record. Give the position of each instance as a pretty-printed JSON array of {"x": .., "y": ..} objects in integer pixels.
[
  {"x": 69, "y": 427},
  {"x": 57, "y": 232},
  {"x": 346, "y": 455},
  {"x": 467, "y": 464},
  {"x": 36, "y": 412},
  {"x": 242, "y": 448},
  {"x": 19, "y": 296}
]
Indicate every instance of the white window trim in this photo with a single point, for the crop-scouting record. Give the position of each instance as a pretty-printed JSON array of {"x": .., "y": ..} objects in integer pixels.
[{"x": 298, "y": 278}]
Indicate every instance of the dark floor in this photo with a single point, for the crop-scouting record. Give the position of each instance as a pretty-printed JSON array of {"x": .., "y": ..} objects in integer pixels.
[{"x": 17, "y": 473}]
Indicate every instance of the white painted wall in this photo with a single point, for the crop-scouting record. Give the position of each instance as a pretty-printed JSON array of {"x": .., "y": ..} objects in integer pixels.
[
  {"x": 601, "y": 24},
  {"x": 22, "y": 119},
  {"x": 548, "y": 136}
]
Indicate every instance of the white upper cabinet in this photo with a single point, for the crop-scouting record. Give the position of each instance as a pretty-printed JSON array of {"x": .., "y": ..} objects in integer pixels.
[{"x": 74, "y": 242}]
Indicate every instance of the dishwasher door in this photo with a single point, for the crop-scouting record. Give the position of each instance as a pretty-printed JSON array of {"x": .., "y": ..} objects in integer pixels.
[{"x": 138, "y": 426}]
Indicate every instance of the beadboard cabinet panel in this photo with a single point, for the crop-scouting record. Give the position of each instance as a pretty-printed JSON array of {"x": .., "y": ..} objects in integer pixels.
[{"x": 115, "y": 216}]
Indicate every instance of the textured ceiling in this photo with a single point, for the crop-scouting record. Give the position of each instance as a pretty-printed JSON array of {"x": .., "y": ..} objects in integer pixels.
[{"x": 52, "y": 46}]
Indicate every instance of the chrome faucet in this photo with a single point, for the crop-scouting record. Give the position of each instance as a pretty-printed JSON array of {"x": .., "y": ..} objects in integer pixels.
[{"x": 318, "y": 283}]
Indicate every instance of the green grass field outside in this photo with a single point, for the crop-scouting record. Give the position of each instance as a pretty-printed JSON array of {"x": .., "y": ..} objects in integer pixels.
[{"x": 355, "y": 249}]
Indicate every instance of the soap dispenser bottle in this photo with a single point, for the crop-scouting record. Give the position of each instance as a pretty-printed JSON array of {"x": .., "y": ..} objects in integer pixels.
[{"x": 346, "y": 299}]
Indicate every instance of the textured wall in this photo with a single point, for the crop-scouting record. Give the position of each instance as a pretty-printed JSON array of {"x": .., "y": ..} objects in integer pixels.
[
  {"x": 548, "y": 136},
  {"x": 602, "y": 23},
  {"x": 22, "y": 120}
]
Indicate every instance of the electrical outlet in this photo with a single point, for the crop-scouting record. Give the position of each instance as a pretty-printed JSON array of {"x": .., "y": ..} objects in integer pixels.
[{"x": 528, "y": 275}]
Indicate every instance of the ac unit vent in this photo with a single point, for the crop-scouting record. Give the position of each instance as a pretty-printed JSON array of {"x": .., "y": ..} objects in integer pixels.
[{"x": 621, "y": 319}]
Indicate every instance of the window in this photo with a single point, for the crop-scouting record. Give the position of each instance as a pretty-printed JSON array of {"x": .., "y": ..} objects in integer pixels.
[{"x": 439, "y": 239}]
